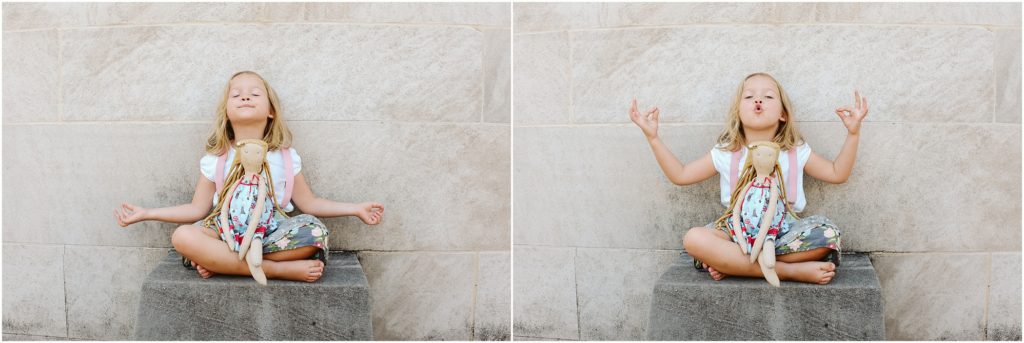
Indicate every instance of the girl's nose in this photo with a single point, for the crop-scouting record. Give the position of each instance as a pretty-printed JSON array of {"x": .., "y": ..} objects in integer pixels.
[{"x": 758, "y": 101}]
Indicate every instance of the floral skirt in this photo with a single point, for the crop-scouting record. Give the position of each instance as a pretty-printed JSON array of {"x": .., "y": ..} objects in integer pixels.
[
  {"x": 804, "y": 234},
  {"x": 291, "y": 233}
]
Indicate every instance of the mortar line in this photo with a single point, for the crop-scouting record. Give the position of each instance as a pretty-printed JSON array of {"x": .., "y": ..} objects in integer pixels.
[
  {"x": 258, "y": 23},
  {"x": 576, "y": 284},
  {"x": 881, "y": 252},
  {"x": 988, "y": 298},
  {"x": 476, "y": 286},
  {"x": 171, "y": 248},
  {"x": 572, "y": 80},
  {"x": 767, "y": 24},
  {"x": 60, "y": 76},
  {"x": 511, "y": 171},
  {"x": 685, "y": 124},
  {"x": 107, "y": 122},
  {"x": 63, "y": 271}
]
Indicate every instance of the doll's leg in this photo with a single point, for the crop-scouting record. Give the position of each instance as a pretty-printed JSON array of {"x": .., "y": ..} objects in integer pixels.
[
  {"x": 202, "y": 246},
  {"x": 767, "y": 269},
  {"x": 716, "y": 250},
  {"x": 254, "y": 259}
]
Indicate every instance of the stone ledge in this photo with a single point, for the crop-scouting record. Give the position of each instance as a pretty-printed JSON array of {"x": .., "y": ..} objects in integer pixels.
[
  {"x": 688, "y": 305},
  {"x": 176, "y": 304}
]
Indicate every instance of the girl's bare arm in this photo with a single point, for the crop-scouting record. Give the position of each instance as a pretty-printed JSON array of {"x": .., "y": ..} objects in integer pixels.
[
  {"x": 839, "y": 171},
  {"x": 303, "y": 197},
  {"x": 677, "y": 172},
  {"x": 202, "y": 202}
]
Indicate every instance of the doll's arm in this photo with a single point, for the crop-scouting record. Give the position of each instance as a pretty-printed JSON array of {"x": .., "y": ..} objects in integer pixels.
[
  {"x": 254, "y": 218},
  {"x": 736, "y": 222},
  {"x": 766, "y": 221},
  {"x": 225, "y": 217},
  {"x": 200, "y": 206},
  {"x": 369, "y": 212}
]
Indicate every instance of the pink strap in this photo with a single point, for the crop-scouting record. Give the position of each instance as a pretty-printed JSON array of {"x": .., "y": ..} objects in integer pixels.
[
  {"x": 735, "y": 169},
  {"x": 791, "y": 191},
  {"x": 289, "y": 178},
  {"x": 219, "y": 178},
  {"x": 790, "y": 181}
]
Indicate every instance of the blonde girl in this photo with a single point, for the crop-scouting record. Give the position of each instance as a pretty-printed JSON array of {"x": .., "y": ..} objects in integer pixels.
[
  {"x": 297, "y": 248},
  {"x": 761, "y": 111}
]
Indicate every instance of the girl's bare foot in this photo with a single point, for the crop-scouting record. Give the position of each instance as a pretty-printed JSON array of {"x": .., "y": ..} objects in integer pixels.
[
  {"x": 203, "y": 272},
  {"x": 810, "y": 272},
  {"x": 715, "y": 274},
  {"x": 299, "y": 270}
]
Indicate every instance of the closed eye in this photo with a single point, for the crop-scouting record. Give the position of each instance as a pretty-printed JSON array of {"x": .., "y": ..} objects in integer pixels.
[
  {"x": 770, "y": 97},
  {"x": 748, "y": 97}
]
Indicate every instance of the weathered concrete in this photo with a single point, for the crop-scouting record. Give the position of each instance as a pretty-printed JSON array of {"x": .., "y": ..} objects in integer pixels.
[
  {"x": 1004, "y": 298},
  {"x": 689, "y": 305},
  {"x": 177, "y": 304},
  {"x": 493, "y": 297},
  {"x": 545, "y": 292},
  {"x": 33, "y": 287}
]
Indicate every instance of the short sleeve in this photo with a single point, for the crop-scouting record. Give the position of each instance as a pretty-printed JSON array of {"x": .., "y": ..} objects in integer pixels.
[
  {"x": 207, "y": 164},
  {"x": 296, "y": 161},
  {"x": 803, "y": 153},
  {"x": 721, "y": 158}
]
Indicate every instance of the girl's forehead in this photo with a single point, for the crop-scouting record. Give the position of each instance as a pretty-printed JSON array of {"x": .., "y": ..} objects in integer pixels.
[
  {"x": 246, "y": 81},
  {"x": 759, "y": 83}
]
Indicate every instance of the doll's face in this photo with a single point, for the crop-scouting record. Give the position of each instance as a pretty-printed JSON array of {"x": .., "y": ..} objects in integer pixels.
[
  {"x": 764, "y": 159},
  {"x": 252, "y": 156}
]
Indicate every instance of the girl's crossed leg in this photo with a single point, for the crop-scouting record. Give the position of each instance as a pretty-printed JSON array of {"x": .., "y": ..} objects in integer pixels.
[
  {"x": 211, "y": 256},
  {"x": 722, "y": 257}
]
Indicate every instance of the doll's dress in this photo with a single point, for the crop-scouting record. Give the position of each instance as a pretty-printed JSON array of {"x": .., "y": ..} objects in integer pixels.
[
  {"x": 752, "y": 207},
  {"x": 241, "y": 204}
]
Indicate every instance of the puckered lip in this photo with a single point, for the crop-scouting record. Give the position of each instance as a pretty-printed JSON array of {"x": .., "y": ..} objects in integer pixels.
[{"x": 247, "y": 105}]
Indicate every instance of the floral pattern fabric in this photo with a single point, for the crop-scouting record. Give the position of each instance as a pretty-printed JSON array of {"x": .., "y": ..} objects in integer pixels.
[
  {"x": 805, "y": 234},
  {"x": 753, "y": 212},
  {"x": 293, "y": 232}
]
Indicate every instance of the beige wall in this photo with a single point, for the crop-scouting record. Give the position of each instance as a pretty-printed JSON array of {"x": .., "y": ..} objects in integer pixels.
[
  {"x": 403, "y": 104},
  {"x": 934, "y": 197}
]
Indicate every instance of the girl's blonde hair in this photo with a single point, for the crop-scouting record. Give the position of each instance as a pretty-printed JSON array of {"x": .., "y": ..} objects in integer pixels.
[
  {"x": 748, "y": 175},
  {"x": 236, "y": 172},
  {"x": 276, "y": 134},
  {"x": 787, "y": 136}
]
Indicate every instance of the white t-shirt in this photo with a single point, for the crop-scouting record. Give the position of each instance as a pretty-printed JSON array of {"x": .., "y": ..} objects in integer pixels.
[
  {"x": 723, "y": 163},
  {"x": 208, "y": 164}
]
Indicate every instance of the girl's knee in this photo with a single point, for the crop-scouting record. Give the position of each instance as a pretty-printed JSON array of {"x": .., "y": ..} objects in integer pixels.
[
  {"x": 183, "y": 236},
  {"x": 693, "y": 238}
]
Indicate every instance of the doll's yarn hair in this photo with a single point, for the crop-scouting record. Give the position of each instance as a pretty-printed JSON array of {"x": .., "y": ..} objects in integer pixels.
[
  {"x": 733, "y": 137},
  {"x": 276, "y": 134},
  {"x": 237, "y": 171},
  {"x": 748, "y": 175}
]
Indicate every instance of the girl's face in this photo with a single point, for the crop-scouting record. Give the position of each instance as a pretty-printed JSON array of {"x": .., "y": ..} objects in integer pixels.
[
  {"x": 247, "y": 100},
  {"x": 760, "y": 105}
]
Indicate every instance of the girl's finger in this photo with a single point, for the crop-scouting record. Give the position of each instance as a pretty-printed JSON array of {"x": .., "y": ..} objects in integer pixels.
[
  {"x": 856, "y": 98},
  {"x": 632, "y": 108},
  {"x": 865, "y": 107}
]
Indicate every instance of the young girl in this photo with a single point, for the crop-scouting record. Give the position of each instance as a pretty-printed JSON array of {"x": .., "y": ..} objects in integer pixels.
[
  {"x": 297, "y": 248},
  {"x": 761, "y": 112}
]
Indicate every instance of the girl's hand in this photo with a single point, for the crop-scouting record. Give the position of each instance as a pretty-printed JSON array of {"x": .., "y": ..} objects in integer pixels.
[
  {"x": 370, "y": 212},
  {"x": 129, "y": 214},
  {"x": 647, "y": 122},
  {"x": 853, "y": 117}
]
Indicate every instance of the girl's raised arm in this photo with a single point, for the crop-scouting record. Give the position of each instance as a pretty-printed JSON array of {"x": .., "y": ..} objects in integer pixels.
[
  {"x": 202, "y": 202},
  {"x": 677, "y": 172},
  {"x": 303, "y": 197},
  {"x": 839, "y": 171}
]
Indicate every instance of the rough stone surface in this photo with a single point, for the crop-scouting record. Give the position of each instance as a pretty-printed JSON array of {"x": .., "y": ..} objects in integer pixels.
[
  {"x": 1004, "y": 304},
  {"x": 177, "y": 304},
  {"x": 611, "y": 67},
  {"x": 614, "y": 288},
  {"x": 103, "y": 286},
  {"x": 79, "y": 157},
  {"x": 933, "y": 296},
  {"x": 30, "y": 83},
  {"x": 433, "y": 73},
  {"x": 542, "y": 79},
  {"x": 18, "y": 16},
  {"x": 532, "y": 17},
  {"x": 688, "y": 305},
  {"x": 33, "y": 286},
  {"x": 545, "y": 292},
  {"x": 421, "y": 295},
  {"x": 497, "y": 76},
  {"x": 632, "y": 206},
  {"x": 892, "y": 174},
  {"x": 493, "y": 311},
  {"x": 1007, "y": 74},
  {"x": 417, "y": 171}
]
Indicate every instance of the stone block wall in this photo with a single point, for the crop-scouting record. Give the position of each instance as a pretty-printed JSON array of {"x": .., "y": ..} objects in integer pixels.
[
  {"x": 405, "y": 104},
  {"x": 935, "y": 196}
]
